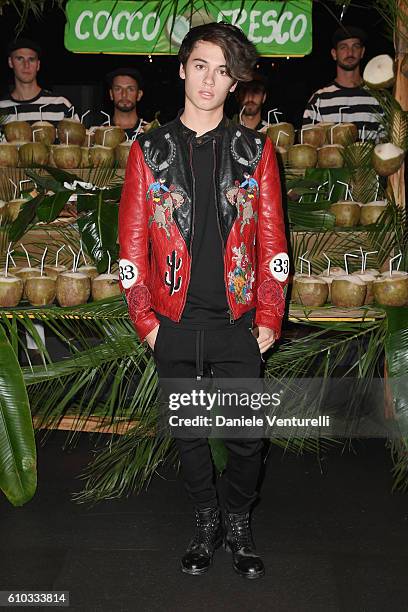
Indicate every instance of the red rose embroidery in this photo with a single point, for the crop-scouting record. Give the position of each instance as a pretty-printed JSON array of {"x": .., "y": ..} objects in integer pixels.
[
  {"x": 271, "y": 294},
  {"x": 138, "y": 299}
]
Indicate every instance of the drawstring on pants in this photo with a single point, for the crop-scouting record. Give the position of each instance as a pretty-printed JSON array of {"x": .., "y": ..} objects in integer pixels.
[{"x": 200, "y": 353}]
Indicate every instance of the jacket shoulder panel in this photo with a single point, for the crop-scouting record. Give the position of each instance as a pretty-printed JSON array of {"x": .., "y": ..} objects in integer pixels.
[
  {"x": 159, "y": 147},
  {"x": 246, "y": 146}
]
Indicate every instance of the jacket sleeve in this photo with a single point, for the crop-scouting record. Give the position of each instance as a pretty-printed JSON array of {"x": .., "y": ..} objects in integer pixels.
[
  {"x": 134, "y": 244},
  {"x": 272, "y": 256}
]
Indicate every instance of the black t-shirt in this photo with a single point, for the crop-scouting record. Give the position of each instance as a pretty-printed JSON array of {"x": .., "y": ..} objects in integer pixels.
[{"x": 206, "y": 302}]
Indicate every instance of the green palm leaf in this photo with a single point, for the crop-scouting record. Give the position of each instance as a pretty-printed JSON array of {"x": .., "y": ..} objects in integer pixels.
[{"x": 18, "y": 476}]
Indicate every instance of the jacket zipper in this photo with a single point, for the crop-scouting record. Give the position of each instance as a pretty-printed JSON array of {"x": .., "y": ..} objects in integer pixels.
[
  {"x": 192, "y": 231},
  {"x": 231, "y": 317}
]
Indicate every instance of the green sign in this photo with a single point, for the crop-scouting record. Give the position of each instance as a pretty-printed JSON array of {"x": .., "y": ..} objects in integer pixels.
[{"x": 122, "y": 26}]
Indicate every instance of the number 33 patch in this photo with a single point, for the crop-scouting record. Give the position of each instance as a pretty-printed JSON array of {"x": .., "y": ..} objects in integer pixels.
[
  {"x": 279, "y": 266},
  {"x": 128, "y": 273}
]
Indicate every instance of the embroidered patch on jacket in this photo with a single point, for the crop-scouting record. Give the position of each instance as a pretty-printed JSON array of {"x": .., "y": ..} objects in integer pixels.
[
  {"x": 128, "y": 273},
  {"x": 243, "y": 160},
  {"x": 165, "y": 200},
  {"x": 271, "y": 294},
  {"x": 279, "y": 266},
  {"x": 242, "y": 277},
  {"x": 167, "y": 157},
  {"x": 138, "y": 299},
  {"x": 242, "y": 197},
  {"x": 171, "y": 279}
]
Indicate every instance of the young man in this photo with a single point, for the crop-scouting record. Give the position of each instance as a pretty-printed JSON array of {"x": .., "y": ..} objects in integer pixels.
[
  {"x": 26, "y": 94},
  {"x": 251, "y": 97},
  {"x": 125, "y": 91},
  {"x": 203, "y": 256},
  {"x": 346, "y": 90}
]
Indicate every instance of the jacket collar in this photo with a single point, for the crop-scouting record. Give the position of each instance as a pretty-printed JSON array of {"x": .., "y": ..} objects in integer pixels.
[{"x": 189, "y": 134}]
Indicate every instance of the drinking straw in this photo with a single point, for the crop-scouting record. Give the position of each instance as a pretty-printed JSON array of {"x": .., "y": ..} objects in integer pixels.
[
  {"x": 109, "y": 262},
  {"x": 347, "y": 188},
  {"x": 340, "y": 112},
  {"x": 85, "y": 114},
  {"x": 345, "y": 260},
  {"x": 58, "y": 252},
  {"x": 399, "y": 257},
  {"x": 66, "y": 138},
  {"x": 366, "y": 256},
  {"x": 139, "y": 127},
  {"x": 42, "y": 261},
  {"x": 8, "y": 256},
  {"x": 74, "y": 256},
  {"x": 108, "y": 121},
  {"x": 329, "y": 264},
  {"x": 72, "y": 110},
  {"x": 331, "y": 132},
  {"x": 279, "y": 133},
  {"x": 275, "y": 117},
  {"x": 16, "y": 112},
  {"x": 81, "y": 250},
  {"x": 15, "y": 188},
  {"x": 104, "y": 134},
  {"x": 269, "y": 114},
  {"x": 25, "y": 251},
  {"x": 34, "y": 131},
  {"x": 318, "y": 189},
  {"x": 40, "y": 109},
  {"x": 240, "y": 114},
  {"x": 363, "y": 133}
]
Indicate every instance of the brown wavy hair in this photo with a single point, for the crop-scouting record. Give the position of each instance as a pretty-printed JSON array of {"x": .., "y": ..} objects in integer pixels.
[{"x": 240, "y": 53}]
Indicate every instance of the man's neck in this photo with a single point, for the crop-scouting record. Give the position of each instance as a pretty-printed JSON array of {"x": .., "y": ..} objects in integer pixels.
[
  {"x": 349, "y": 78},
  {"x": 25, "y": 91},
  {"x": 125, "y": 120},
  {"x": 251, "y": 121},
  {"x": 201, "y": 121}
]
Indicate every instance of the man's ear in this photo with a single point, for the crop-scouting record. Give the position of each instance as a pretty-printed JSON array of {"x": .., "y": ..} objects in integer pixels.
[
  {"x": 334, "y": 54},
  {"x": 264, "y": 98},
  {"x": 362, "y": 51},
  {"x": 139, "y": 95},
  {"x": 10, "y": 62},
  {"x": 111, "y": 94},
  {"x": 38, "y": 65},
  {"x": 182, "y": 72},
  {"x": 233, "y": 87}
]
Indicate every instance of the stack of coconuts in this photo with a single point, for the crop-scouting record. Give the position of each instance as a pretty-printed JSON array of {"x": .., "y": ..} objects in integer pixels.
[
  {"x": 343, "y": 290},
  {"x": 33, "y": 145},
  {"x": 350, "y": 214},
  {"x": 41, "y": 286}
]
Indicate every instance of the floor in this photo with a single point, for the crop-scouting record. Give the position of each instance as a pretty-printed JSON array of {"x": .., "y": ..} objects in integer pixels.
[{"x": 332, "y": 536}]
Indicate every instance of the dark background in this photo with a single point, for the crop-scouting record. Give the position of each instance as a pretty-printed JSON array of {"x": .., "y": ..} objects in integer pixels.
[{"x": 80, "y": 77}]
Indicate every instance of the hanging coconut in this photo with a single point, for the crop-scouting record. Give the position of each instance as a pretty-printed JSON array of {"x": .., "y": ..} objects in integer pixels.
[
  {"x": 387, "y": 158},
  {"x": 380, "y": 72}
]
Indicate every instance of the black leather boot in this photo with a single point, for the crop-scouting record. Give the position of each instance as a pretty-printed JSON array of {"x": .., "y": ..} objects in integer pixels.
[
  {"x": 238, "y": 540},
  {"x": 207, "y": 538}
]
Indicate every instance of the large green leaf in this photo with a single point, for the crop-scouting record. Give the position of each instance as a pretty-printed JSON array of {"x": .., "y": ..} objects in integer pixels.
[
  {"x": 26, "y": 217},
  {"x": 52, "y": 206},
  {"x": 99, "y": 229},
  {"x": 18, "y": 475}
]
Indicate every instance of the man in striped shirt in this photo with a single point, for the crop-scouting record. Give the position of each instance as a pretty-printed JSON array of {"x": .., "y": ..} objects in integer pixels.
[
  {"x": 345, "y": 99},
  {"x": 26, "y": 96}
]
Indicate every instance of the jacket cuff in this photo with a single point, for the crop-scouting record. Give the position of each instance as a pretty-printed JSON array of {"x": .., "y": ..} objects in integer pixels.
[
  {"x": 142, "y": 316},
  {"x": 145, "y": 325},
  {"x": 269, "y": 320}
]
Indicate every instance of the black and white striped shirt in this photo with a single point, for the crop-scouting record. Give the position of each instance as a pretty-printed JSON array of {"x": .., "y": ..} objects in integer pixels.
[
  {"x": 362, "y": 108},
  {"x": 57, "y": 108}
]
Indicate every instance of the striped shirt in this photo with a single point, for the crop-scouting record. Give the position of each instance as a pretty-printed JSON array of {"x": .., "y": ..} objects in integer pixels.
[
  {"x": 361, "y": 109},
  {"x": 57, "y": 108}
]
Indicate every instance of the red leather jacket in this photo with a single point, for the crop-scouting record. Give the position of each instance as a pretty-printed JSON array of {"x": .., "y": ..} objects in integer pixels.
[{"x": 156, "y": 224}]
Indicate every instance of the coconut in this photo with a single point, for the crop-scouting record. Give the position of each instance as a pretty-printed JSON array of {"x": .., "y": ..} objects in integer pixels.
[
  {"x": 122, "y": 153},
  {"x": 33, "y": 154},
  {"x": 314, "y": 135},
  {"x": 90, "y": 271},
  {"x": 13, "y": 208},
  {"x": 101, "y": 156},
  {"x": 67, "y": 156},
  {"x": 53, "y": 271},
  {"x": 344, "y": 133},
  {"x": 380, "y": 72},
  {"x": 90, "y": 138},
  {"x": 3, "y": 209},
  {"x": 11, "y": 290},
  {"x": 326, "y": 125},
  {"x": 310, "y": 290},
  {"x": 387, "y": 158},
  {"x": 40, "y": 291},
  {"x": 44, "y": 132},
  {"x": 391, "y": 290},
  {"x": 110, "y": 136},
  {"x": 371, "y": 212},
  {"x": 75, "y": 130},
  {"x": 347, "y": 213},
  {"x": 25, "y": 273},
  {"x": 302, "y": 156},
  {"x": 18, "y": 131},
  {"x": 330, "y": 156},
  {"x": 281, "y": 154},
  {"x": 8, "y": 155},
  {"x": 287, "y": 136},
  {"x": 328, "y": 278},
  {"x": 368, "y": 279},
  {"x": 73, "y": 288},
  {"x": 85, "y": 159},
  {"x": 348, "y": 291},
  {"x": 105, "y": 286}
]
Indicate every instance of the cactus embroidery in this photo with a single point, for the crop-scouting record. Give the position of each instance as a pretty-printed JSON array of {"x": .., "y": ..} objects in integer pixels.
[{"x": 171, "y": 279}]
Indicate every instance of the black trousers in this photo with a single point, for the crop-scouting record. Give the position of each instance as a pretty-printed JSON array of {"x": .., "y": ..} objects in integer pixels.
[{"x": 224, "y": 353}]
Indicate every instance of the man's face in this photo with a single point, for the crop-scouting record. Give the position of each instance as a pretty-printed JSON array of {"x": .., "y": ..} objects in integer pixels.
[
  {"x": 253, "y": 101},
  {"x": 25, "y": 64},
  {"x": 125, "y": 93},
  {"x": 207, "y": 83},
  {"x": 348, "y": 53}
]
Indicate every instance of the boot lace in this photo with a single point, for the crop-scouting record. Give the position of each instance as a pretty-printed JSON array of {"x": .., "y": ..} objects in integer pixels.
[
  {"x": 206, "y": 527},
  {"x": 240, "y": 531}
]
